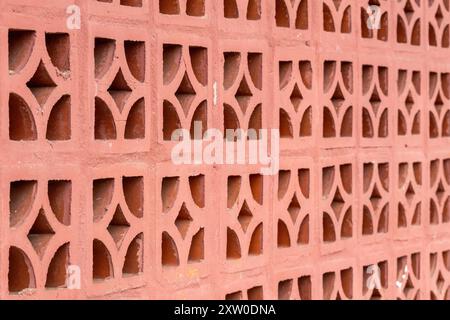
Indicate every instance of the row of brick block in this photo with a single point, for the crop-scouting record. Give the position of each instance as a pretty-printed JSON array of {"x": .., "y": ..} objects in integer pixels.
[{"x": 86, "y": 177}]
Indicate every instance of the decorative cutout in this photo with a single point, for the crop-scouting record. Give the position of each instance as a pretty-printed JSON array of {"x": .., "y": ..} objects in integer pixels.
[{"x": 337, "y": 217}]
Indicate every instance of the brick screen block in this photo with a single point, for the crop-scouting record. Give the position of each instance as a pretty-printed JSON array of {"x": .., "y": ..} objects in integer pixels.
[{"x": 93, "y": 205}]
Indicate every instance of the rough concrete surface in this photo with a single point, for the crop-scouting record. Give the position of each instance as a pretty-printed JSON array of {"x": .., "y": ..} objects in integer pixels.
[{"x": 92, "y": 205}]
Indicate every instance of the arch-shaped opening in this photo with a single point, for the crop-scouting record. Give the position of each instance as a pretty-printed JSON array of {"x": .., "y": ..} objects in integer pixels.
[
  {"x": 105, "y": 126},
  {"x": 57, "y": 270},
  {"x": 21, "y": 273},
  {"x": 169, "y": 253},
  {"x": 59, "y": 125},
  {"x": 134, "y": 257},
  {"x": 21, "y": 120},
  {"x": 102, "y": 267}
]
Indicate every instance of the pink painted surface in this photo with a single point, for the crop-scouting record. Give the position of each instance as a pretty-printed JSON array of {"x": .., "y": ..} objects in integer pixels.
[{"x": 87, "y": 178}]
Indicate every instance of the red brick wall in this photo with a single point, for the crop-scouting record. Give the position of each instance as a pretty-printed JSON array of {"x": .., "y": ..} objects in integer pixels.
[{"x": 87, "y": 178}]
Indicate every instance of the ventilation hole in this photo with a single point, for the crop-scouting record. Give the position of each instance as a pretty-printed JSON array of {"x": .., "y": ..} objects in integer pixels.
[
  {"x": 232, "y": 62},
  {"x": 446, "y": 37},
  {"x": 131, "y": 3},
  {"x": 135, "y": 126},
  {"x": 383, "y": 128},
  {"x": 402, "y": 222},
  {"x": 434, "y": 215},
  {"x": 328, "y": 21},
  {"x": 21, "y": 121},
  {"x": 383, "y": 32},
  {"x": 347, "y": 282},
  {"x": 59, "y": 121},
  {"x": 254, "y": 10},
  {"x": 41, "y": 84},
  {"x": 120, "y": 90},
  {"x": 169, "y": 7},
  {"x": 105, "y": 127},
  {"x": 329, "y": 73},
  {"x": 234, "y": 188},
  {"x": 133, "y": 190},
  {"x": 169, "y": 192},
  {"x": 200, "y": 117},
  {"x": 305, "y": 287},
  {"x": 284, "y": 178},
  {"x": 415, "y": 34},
  {"x": 285, "y": 125},
  {"x": 303, "y": 232},
  {"x": 432, "y": 36},
  {"x": 199, "y": 60},
  {"x": 135, "y": 56},
  {"x": 21, "y": 198},
  {"x": 328, "y": 281},
  {"x": 21, "y": 274},
  {"x": 383, "y": 220},
  {"x": 301, "y": 21},
  {"x": 284, "y": 240},
  {"x": 255, "y": 68},
  {"x": 347, "y": 75},
  {"x": 60, "y": 198},
  {"x": 230, "y": 9},
  {"x": 104, "y": 52},
  {"x": 367, "y": 124},
  {"x": 365, "y": 31},
  {"x": 415, "y": 264},
  {"x": 347, "y": 224},
  {"x": 368, "y": 171},
  {"x": 185, "y": 93},
  {"x": 446, "y": 125},
  {"x": 329, "y": 127},
  {"x": 171, "y": 121},
  {"x": 134, "y": 257},
  {"x": 446, "y": 211},
  {"x": 57, "y": 270},
  {"x": 306, "y": 123},
  {"x": 446, "y": 166},
  {"x": 196, "y": 252},
  {"x": 328, "y": 174},
  {"x": 169, "y": 251},
  {"x": 197, "y": 187},
  {"x": 40, "y": 234},
  {"x": 282, "y": 14},
  {"x": 183, "y": 221},
  {"x": 58, "y": 48},
  {"x": 255, "y": 293},
  {"x": 118, "y": 227},
  {"x": 329, "y": 234},
  {"x": 102, "y": 268},
  {"x": 230, "y": 123},
  {"x": 256, "y": 185},
  {"x": 255, "y": 122},
  {"x": 21, "y": 45},
  {"x": 285, "y": 290},
  {"x": 434, "y": 129},
  {"x": 285, "y": 73},
  {"x": 417, "y": 215},
  {"x": 346, "y": 177},
  {"x": 195, "y": 8},
  {"x": 233, "y": 245},
  {"x": 172, "y": 58},
  {"x": 367, "y": 222},
  {"x": 103, "y": 190},
  {"x": 346, "y": 24},
  {"x": 401, "y": 31},
  {"x": 234, "y": 296}
]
